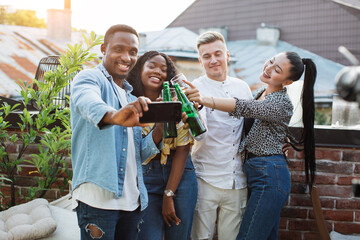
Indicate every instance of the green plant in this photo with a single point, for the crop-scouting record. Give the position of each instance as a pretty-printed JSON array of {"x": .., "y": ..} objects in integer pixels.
[{"x": 50, "y": 127}]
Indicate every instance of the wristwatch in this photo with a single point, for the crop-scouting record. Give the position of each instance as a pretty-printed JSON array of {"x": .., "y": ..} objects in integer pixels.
[{"x": 169, "y": 193}]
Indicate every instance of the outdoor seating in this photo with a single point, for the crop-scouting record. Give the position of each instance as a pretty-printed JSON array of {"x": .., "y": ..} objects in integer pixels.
[{"x": 31, "y": 220}]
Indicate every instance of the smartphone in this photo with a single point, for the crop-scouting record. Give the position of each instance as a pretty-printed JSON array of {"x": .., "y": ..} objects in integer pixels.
[{"x": 162, "y": 112}]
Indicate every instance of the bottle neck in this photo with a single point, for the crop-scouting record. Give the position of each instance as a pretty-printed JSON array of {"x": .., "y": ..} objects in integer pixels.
[{"x": 180, "y": 94}]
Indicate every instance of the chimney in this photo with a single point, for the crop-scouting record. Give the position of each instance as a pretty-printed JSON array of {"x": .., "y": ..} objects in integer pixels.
[
  {"x": 223, "y": 30},
  {"x": 142, "y": 39},
  {"x": 59, "y": 22},
  {"x": 267, "y": 35}
]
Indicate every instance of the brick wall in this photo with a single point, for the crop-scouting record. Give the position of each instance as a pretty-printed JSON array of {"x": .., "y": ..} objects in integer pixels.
[
  {"x": 26, "y": 179},
  {"x": 336, "y": 167}
]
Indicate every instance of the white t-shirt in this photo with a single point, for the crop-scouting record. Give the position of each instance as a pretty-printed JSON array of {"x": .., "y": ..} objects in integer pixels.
[
  {"x": 98, "y": 197},
  {"x": 215, "y": 153}
]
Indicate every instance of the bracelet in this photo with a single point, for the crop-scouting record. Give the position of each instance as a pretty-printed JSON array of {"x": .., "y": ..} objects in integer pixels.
[{"x": 213, "y": 107}]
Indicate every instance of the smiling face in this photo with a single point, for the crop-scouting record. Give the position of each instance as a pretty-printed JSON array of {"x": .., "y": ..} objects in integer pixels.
[
  {"x": 154, "y": 73},
  {"x": 214, "y": 58},
  {"x": 276, "y": 71},
  {"x": 120, "y": 54}
]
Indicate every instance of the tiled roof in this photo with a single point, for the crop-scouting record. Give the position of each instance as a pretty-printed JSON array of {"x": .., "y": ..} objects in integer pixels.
[
  {"x": 178, "y": 41},
  {"x": 247, "y": 57},
  {"x": 21, "y": 49}
]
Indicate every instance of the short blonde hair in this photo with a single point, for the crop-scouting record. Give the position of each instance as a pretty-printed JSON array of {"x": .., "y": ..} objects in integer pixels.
[{"x": 209, "y": 37}]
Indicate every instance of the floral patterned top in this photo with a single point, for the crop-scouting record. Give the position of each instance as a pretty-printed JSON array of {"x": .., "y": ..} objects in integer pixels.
[
  {"x": 272, "y": 116},
  {"x": 183, "y": 138}
]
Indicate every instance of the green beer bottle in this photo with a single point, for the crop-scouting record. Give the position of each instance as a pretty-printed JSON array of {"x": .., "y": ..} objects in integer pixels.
[
  {"x": 195, "y": 124},
  {"x": 169, "y": 128}
]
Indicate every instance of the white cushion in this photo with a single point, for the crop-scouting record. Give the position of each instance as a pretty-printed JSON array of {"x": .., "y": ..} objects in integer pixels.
[
  {"x": 67, "y": 226},
  {"x": 27, "y": 221},
  {"x": 338, "y": 236}
]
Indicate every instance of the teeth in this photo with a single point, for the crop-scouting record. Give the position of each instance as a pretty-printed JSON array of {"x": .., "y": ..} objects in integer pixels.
[
  {"x": 155, "y": 78},
  {"x": 123, "y": 66},
  {"x": 266, "y": 74}
]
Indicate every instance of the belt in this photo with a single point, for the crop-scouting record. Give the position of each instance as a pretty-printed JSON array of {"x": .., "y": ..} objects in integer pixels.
[
  {"x": 158, "y": 156},
  {"x": 251, "y": 155}
]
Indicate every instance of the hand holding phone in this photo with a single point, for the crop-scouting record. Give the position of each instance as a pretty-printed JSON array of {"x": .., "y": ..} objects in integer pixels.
[{"x": 162, "y": 112}]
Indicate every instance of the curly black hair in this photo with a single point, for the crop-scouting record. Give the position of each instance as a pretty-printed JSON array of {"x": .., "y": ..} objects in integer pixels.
[{"x": 134, "y": 77}]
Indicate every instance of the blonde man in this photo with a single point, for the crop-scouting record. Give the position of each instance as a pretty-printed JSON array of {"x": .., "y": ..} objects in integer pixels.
[{"x": 222, "y": 188}]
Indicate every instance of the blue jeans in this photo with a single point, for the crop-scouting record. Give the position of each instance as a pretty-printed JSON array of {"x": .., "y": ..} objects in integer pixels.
[
  {"x": 269, "y": 188},
  {"x": 156, "y": 177},
  {"x": 97, "y": 223}
]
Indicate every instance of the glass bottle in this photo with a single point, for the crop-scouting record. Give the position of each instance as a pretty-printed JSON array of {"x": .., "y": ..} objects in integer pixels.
[
  {"x": 169, "y": 128},
  {"x": 195, "y": 124}
]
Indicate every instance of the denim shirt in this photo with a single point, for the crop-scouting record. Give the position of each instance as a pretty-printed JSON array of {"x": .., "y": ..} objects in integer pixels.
[{"x": 99, "y": 155}]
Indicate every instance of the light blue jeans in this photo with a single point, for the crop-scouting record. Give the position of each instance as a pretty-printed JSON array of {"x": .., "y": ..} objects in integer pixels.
[
  {"x": 269, "y": 188},
  {"x": 155, "y": 178}
]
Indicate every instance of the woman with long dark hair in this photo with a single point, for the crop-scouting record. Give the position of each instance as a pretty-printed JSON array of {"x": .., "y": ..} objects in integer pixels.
[
  {"x": 169, "y": 176},
  {"x": 265, "y": 164}
]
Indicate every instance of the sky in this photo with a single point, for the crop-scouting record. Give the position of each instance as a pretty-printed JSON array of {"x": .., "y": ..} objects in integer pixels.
[{"x": 99, "y": 15}]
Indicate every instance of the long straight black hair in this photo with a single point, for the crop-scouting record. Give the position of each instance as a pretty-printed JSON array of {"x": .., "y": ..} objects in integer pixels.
[{"x": 307, "y": 138}]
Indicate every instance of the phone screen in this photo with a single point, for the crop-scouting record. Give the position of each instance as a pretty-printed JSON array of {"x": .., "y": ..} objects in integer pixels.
[{"x": 162, "y": 112}]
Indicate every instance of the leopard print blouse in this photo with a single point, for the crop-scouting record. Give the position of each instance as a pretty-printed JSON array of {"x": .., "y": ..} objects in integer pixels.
[{"x": 272, "y": 116}]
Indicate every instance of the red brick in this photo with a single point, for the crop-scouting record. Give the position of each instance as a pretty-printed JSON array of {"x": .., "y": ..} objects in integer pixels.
[
  {"x": 302, "y": 225},
  {"x": 351, "y": 156},
  {"x": 325, "y": 179},
  {"x": 345, "y": 180},
  {"x": 291, "y": 212},
  {"x": 300, "y": 200},
  {"x": 312, "y": 236},
  {"x": 348, "y": 203},
  {"x": 30, "y": 171},
  {"x": 347, "y": 228},
  {"x": 62, "y": 193},
  {"x": 337, "y": 215},
  {"x": 357, "y": 216},
  {"x": 298, "y": 188},
  {"x": 32, "y": 149},
  {"x": 296, "y": 165},
  {"x": 290, "y": 235},
  {"x": 26, "y": 181},
  {"x": 51, "y": 194},
  {"x": 12, "y": 148},
  {"x": 357, "y": 168},
  {"x": 335, "y": 191},
  {"x": 6, "y": 190},
  {"x": 325, "y": 154},
  {"x": 283, "y": 223},
  {"x": 298, "y": 177},
  {"x": 331, "y": 167}
]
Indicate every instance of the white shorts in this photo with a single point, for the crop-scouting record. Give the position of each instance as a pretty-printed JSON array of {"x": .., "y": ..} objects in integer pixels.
[{"x": 224, "y": 206}]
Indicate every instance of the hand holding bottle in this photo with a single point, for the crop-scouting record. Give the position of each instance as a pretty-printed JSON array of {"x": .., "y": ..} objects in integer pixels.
[
  {"x": 193, "y": 93},
  {"x": 193, "y": 119}
]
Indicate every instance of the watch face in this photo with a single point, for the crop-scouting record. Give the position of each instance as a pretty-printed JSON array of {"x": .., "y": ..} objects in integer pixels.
[{"x": 169, "y": 193}]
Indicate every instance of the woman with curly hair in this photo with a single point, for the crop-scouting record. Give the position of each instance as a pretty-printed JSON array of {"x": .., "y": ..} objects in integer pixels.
[{"x": 169, "y": 176}]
